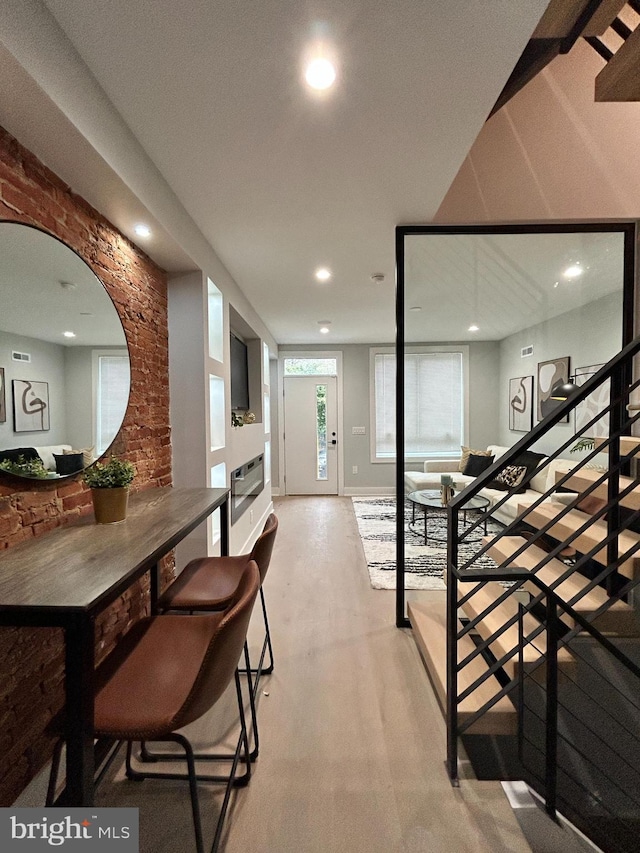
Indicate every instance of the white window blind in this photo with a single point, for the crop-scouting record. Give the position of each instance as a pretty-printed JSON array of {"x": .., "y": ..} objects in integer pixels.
[
  {"x": 112, "y": 398},
  {"x": 434, "y": 393}
]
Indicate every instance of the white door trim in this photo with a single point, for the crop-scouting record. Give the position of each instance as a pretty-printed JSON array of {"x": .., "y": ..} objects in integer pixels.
[{"x": 337, "y": 354}]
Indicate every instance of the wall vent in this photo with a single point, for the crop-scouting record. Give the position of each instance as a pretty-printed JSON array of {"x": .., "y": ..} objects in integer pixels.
[
  {"x": 526, "y": 351},
  {"x": 21, "y": 356}
]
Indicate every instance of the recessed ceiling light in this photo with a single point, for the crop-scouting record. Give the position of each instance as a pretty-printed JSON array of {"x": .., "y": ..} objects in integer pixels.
[
  {"x": 324, "y": 326},
  {"x": 556, "y": 284},
  {"x": 573, "y": 271},
  {"x": 378, "y": 277},
  {"x": 473, "y": 328},
  {"x": 323, "y": 274},
  {"x": 416, "y": 308},
  {"x": 142, "y": 230},
  {"x": 69, "y": 334},
  {"x": 320, "y": 74}
]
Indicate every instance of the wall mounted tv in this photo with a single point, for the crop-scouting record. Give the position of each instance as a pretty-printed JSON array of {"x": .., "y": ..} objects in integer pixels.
[{"x": 239, "y": 374}]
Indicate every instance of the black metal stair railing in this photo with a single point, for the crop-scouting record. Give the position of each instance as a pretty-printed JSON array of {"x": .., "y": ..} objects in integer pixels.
[{"x": 594, "y": 551}]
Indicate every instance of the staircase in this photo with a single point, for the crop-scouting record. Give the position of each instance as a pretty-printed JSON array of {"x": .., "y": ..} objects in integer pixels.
[
  {"x": 610, "y": 27},
  {"x": 541, "y": 654}
]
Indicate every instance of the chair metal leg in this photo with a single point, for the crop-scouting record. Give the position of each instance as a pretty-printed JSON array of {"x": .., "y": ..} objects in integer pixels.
[
  {"x": 266, "y": 645},
  {"x": 53, "y": 775},
  {"x": 241, "y": 753},
  {"x": 149, "y": 757}
]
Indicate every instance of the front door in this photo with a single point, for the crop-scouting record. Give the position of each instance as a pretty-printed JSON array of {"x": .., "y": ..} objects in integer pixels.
[{"x": 311, "y": 435}]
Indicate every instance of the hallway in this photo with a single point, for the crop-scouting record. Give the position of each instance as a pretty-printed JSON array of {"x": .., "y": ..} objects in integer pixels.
[{"x": 352, "y": 740}]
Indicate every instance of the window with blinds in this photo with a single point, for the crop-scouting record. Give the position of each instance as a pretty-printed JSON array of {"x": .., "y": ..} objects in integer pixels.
[
  {"x": 112, "y": 396},
  {"x": 434, "y": 404}
]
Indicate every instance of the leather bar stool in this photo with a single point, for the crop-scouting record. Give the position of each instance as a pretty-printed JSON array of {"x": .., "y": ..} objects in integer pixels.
[
  {"x": 169, "y": 671},
  {"x": 209, "y": 583}
]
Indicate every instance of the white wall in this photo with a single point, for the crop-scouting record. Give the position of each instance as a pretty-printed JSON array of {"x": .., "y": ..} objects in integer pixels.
[
  {"x": 47, "y": 365},
  {"x": 484, "y": 366},
  {"x": 589, "y": 335}
]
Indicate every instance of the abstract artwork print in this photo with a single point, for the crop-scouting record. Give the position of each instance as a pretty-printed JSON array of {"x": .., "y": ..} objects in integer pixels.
[
  {"x": 30, "y": 406},
  {"x": 521, "y": 404}
]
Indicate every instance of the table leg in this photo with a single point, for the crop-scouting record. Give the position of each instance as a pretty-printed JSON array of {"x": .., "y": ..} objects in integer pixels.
[
  {"x": 155, "y": 584},
  {"x": 425, "y": 523},
  {"x": 224, "y": 527},
  {"x": 79, "y": 669}
]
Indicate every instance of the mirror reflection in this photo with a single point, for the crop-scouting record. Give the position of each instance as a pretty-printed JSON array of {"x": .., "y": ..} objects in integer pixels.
[{"x": 64, "y": 363}]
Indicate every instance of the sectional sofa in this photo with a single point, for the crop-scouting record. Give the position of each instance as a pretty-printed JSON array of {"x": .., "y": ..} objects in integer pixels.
[{"x": 544, "y": 479}]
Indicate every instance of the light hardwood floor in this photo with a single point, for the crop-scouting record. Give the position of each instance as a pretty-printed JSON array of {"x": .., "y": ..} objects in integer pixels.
[{"x": 352, "y": 740}]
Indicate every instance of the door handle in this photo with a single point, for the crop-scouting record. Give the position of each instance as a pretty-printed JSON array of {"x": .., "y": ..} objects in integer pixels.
[{"x": 333, "y": 441}]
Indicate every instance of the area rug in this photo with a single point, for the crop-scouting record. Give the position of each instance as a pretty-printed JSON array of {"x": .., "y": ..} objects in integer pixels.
[{"x": 424, "y": 565}]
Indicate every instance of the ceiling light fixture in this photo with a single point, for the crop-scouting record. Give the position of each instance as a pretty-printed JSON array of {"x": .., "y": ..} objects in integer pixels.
[
  {"x": 415, "y": 308},
  {"x": 320, "y": 74},
  {"x": 324, "y": 326},
  {"x": 69, "y": 334},
  {"x": 473, "y": 328},
  {"x": 573, "y": 271},
  {"x": 142, "y": 230},
  {"x": 378, "y": 277},
  {"x": 323, "y": 274}
]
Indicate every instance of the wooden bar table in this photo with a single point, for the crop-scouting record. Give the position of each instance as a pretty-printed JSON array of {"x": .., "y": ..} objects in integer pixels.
[{"x": 65, "y": 578}]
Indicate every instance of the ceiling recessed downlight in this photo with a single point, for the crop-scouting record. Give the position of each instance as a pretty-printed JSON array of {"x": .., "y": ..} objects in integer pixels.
[
  {"x": 69, "y": 334},
  {"x": 473, "y": 328},
  {"x": 320, "y": 74},
  {"x": 323, "y": 274},
  {"x": 142, "y": 230},
  {"x": 415, "y": 308},
  {"x": 324, "y": 326},
  {"x": 573, "y": 271}
]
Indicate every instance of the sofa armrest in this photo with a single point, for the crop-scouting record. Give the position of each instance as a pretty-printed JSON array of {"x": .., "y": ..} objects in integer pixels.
[{"x": 446, "y": 467}]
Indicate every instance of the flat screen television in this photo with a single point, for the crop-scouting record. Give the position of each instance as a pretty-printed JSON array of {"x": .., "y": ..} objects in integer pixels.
[{"x": 239, "y": 374}]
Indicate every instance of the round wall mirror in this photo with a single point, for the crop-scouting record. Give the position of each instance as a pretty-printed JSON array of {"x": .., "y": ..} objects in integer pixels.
[{"x": 64, "y": 363}]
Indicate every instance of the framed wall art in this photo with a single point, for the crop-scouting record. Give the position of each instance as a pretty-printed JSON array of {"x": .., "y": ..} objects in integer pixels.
[
  {"x": 550, "y": 373},
  {"x": 30, "y": 406},
  {"x": 3, "y": 403},
  {"x": 521, "y": 404},
  {"x": 594, "y": 404}
]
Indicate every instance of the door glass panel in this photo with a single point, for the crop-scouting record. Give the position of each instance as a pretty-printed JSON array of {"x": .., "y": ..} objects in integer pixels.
[
  {"x": 310, "y": 367},
  {"x": 321, "y": 430}
]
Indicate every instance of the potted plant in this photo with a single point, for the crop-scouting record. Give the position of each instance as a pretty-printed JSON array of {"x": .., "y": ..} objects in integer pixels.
[
  {"x": 109, "y": 484},
  {"x": 22, "y": 467}
]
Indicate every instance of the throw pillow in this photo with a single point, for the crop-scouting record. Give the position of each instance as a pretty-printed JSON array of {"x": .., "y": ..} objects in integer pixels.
[
  {"x": 511, "y": 476},
  {"x": 466, "y": 452},
  {"x": 88, "y": 457},
  {"x": 531, "y": 460},
  {"x": 477, "y": 463},
  {"x": 68, "y": 463}
]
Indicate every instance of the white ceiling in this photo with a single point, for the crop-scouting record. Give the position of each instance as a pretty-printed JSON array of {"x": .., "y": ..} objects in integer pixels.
[
  {"x": 503, "y": 282},
  {"x": 46, "y": 290},
  {"x": 277, "y": 180}
]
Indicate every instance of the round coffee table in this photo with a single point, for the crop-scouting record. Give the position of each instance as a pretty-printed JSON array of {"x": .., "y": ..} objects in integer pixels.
[{"x": 431, "y": 500}]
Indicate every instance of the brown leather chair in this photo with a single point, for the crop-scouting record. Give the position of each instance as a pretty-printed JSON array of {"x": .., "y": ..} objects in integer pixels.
[
  {"x": 169, "y": 671},
  {"x": 208, "y": 583}
]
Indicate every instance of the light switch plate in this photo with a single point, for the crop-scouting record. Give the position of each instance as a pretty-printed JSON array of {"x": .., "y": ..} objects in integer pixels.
[{"x": 358, "y": 430}]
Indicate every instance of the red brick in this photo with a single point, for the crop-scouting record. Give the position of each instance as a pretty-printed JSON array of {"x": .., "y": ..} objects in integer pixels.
[{"x": 31, "y": 676}]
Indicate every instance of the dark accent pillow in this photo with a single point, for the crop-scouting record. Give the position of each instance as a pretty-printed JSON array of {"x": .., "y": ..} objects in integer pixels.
[
  {"x": 476, "y": 464},
  {"x": 27, "y": 453},
  {"x": 68, "y": 463},
  {"x": 530, "y": 459}
]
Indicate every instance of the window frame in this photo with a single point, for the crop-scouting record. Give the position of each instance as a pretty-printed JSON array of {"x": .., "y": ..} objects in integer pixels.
[{"x": 463, "y": 349}]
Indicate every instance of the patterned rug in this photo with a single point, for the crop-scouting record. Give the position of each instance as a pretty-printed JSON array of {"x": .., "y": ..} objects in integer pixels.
[{"x": 424, "y": 565}]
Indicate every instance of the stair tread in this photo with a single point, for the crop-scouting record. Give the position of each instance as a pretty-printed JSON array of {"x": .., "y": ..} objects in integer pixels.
[
  {"x": 582, "y": 480},
  {"x": 572, "y": 521},
  {"x": 502, "y": 548},
  {"x": 429, "y": 623},
  {"x": 485, "y": 594}
]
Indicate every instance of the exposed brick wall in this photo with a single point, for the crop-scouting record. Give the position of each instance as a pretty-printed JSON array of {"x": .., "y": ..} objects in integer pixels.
[{"x": 31, "y": 671}]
